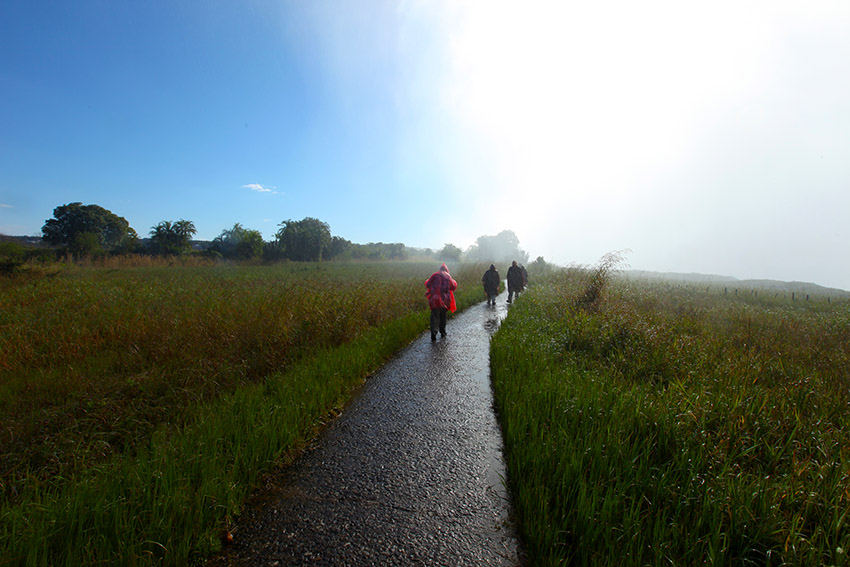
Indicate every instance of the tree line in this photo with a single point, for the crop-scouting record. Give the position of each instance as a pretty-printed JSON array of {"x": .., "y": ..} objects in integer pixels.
[{"x": 93, "y": 231}]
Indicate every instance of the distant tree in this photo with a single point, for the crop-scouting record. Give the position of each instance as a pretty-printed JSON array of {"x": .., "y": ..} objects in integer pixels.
[
  {"x": 273, "y": 251},
  {"x": 12, "y": 252},
  {"x": 13, "y": 255},
  {"x": 358, "y": 252},
  {"x": 503, "y": 247},
  {"x": 172, "y": 238},
  {"x": 450, "y": 252},
  {"x": 130, "y": 245},
  {"x": 421, "y": 253},
  {"x": 305, "y": 240},
  {"x": 238, "y": 243},
  {"x": 86, "y": 244},
  {"x": 339, "y": 246},
  {"x": 379, "y": 251},
  {"x": 87, "y": 229},
  {"x": 397, "y": 251},
  {"x": 250, "y": 245}
]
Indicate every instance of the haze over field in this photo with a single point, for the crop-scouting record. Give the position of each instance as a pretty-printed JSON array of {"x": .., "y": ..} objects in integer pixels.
[{"x": 709, "y": 138}]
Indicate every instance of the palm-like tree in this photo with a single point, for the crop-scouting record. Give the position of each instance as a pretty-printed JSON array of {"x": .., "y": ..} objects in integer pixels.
[{"x": 172, "y": 238}]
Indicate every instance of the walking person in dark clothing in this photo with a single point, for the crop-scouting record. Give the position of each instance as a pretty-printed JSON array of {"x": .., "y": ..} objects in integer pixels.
[
  {"x": 491, "y": 281},
  {"x": 515, "y": 280},
  {"x": 439, "y": 289}
]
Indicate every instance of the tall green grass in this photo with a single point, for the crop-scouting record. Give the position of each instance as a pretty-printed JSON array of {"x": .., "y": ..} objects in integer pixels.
[
  {"x": 139, "y": 406},
  {"x": 675, "y": 427}
]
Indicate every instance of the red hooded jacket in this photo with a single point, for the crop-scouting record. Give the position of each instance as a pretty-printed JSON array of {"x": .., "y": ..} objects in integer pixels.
[{"x": 439, "y": 289}]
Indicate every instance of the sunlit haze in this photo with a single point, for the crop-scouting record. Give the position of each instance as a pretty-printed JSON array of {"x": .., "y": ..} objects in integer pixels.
[{"x": 703, "y": 137}]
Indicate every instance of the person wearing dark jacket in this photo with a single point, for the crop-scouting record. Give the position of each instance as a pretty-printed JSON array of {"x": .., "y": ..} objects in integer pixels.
[
  {"x": 515, "y": 281},
  {"x": 491, "y": 284}
]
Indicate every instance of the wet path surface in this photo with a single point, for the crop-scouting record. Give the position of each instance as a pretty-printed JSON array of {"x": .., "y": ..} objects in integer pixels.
[{"x": 410, "y": 474}]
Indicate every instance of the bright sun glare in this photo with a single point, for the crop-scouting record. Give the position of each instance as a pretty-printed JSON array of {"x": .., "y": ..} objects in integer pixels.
[{"x": 583, "y": 104}]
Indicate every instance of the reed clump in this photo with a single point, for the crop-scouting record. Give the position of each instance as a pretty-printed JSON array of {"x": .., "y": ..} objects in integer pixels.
[{"x": 675, "y": 426}]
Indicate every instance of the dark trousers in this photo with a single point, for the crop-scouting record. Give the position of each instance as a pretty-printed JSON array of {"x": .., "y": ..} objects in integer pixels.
[{"x": 438, "y": 320}]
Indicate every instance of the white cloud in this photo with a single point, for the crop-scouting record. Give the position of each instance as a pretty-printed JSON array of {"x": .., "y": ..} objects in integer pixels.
[
  {"x": 6, "y": 206},
  {"x": 259, "y": 188}
]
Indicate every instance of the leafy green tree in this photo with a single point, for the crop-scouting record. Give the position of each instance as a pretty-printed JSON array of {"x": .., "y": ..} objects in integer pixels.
[
  {"x": 503, "y": 247},
  {"x": 273, "y": 251},
  {"x": 397, "y": 251},
  {"x": 339, "y": 246},
  {"x": 86, "y": 244},
  {"x": 14, "y": 255},
  {"x": 86, "y": 229},
  {"x": 450, "y": 252},
  {"x": 305, "y": 240},
  {"x": 172, "y": 238},
  {"x": 250, "y": 245},
  {"x": 377, "y": 251},
  {"x": 238, "y": 243}
]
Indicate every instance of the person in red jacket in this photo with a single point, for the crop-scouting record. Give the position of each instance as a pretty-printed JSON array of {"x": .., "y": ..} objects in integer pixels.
[{"x": 439, "y": 289}]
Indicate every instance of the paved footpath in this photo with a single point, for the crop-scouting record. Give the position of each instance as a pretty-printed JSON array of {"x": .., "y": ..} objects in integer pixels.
[{"x": 410, "y": 474}]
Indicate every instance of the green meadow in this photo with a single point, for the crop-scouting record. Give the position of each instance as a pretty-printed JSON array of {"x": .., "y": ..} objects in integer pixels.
[
  {"x": 649, "y": 424},
  {"x": 140, "y": 404},
  {"x": 644, "y": 424}
]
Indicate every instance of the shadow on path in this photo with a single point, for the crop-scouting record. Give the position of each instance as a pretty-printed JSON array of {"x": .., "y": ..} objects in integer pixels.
[{"x": 410, "y": 474}]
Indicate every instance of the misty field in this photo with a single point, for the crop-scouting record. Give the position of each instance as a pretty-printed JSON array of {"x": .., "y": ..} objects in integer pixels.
[
  {"x": 138, "y": 405},
  {"x": 659, "y": 425}
]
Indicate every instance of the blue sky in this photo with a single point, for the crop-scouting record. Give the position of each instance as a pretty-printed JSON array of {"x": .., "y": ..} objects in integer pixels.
[{"x": 708, "y": 138}]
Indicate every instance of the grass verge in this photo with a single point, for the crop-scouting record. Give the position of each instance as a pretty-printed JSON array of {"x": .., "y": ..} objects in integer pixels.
[{"x": 670, "y": 427}]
